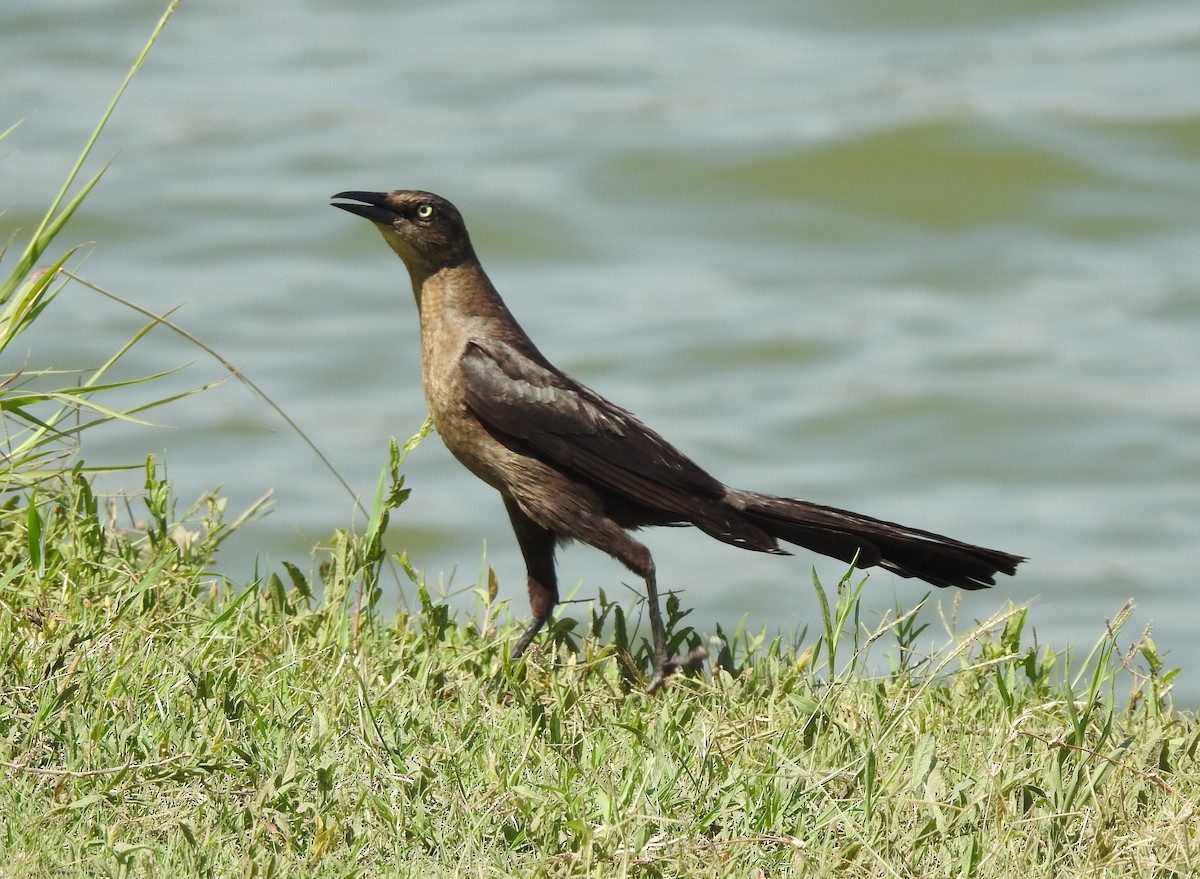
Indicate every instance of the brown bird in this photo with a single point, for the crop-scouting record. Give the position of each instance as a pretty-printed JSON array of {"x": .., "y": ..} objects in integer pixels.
[{"x": 570, "y": 465}]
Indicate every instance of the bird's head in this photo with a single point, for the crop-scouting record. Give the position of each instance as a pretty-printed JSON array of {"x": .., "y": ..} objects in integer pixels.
[{"x": 424, "y": 229}]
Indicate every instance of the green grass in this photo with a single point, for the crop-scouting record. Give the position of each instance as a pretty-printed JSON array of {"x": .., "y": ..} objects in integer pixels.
[
  {"x": 45, "y": 410},
  {"x": 158, "y": 721}
]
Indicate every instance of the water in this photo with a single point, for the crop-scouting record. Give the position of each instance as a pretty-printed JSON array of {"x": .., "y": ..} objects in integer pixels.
[{"x": 935, "y": 262}]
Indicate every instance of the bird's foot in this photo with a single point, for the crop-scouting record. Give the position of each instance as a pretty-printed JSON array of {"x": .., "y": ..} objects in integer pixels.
[{"x": 665, "y": 667}]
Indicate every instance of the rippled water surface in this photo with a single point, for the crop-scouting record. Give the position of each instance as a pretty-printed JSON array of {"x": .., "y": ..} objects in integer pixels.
[{"x": 938, "y": 262}]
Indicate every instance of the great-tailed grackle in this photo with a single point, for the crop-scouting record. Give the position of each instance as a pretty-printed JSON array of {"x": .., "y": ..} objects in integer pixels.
[{"x": 570, "y": 465}]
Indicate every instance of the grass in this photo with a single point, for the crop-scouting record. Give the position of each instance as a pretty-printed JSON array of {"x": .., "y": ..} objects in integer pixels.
[
  {"x": 46, "y": 410},
  {"x": 157, "y": 720}
]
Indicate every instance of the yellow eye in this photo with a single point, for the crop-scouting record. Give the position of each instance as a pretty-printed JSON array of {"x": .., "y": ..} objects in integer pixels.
[{"x": 424, "y": 211}]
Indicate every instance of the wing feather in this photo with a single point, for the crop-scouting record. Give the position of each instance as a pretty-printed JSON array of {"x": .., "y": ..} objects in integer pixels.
[{"x": 576, "y": 430}]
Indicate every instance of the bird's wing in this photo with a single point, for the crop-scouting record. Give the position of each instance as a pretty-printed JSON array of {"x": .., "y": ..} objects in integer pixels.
[{"x": 577, "y": 431}]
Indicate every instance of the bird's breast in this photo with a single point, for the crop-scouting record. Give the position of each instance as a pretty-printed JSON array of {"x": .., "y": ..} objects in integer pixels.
[{"x": 461, "y": 431}]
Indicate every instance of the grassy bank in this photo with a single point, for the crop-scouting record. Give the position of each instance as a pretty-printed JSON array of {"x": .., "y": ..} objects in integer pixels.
[{"x": 157, "y": 721}]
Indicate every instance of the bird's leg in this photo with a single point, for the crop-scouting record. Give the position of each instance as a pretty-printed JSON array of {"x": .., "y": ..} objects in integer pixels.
[
  {"x": 537, "y": 544},
  {"x": 658, "y": 633},
  {"x": 537, "y": 547},
  {"x": 528, "y": 635},
  {"x": 617, "y": 543},
  {"x": 663, "y": 666}
]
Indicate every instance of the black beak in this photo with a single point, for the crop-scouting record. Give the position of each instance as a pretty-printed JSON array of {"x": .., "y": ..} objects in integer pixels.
[{"x": 375, "y": 209}]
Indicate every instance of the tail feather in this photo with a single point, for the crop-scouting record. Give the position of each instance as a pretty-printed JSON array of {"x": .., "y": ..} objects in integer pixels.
[{"x": 841, "y": 534}]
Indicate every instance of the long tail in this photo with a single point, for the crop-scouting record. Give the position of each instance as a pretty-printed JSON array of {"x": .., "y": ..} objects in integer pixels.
[{"x": 909, "y": 552}]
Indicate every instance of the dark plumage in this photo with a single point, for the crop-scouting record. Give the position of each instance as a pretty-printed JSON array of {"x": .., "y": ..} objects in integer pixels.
[{"x": 571, "y": 465}]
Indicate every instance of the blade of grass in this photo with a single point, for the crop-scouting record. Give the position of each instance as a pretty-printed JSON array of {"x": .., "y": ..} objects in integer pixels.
[
  {"x": 33, "y": 296},
  {"x": 53, "y": 220},
  {"x": 235, "y": 372}
]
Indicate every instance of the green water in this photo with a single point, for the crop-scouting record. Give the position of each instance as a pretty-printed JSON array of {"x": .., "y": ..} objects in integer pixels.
[{"x": 938, "y": 262}]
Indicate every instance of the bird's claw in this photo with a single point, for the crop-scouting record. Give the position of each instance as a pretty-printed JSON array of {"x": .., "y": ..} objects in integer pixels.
[{"x": 665, "y": 667}]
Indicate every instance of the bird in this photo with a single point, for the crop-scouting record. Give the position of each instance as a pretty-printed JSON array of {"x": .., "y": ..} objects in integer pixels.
[{"x": 572, "y": 466}]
